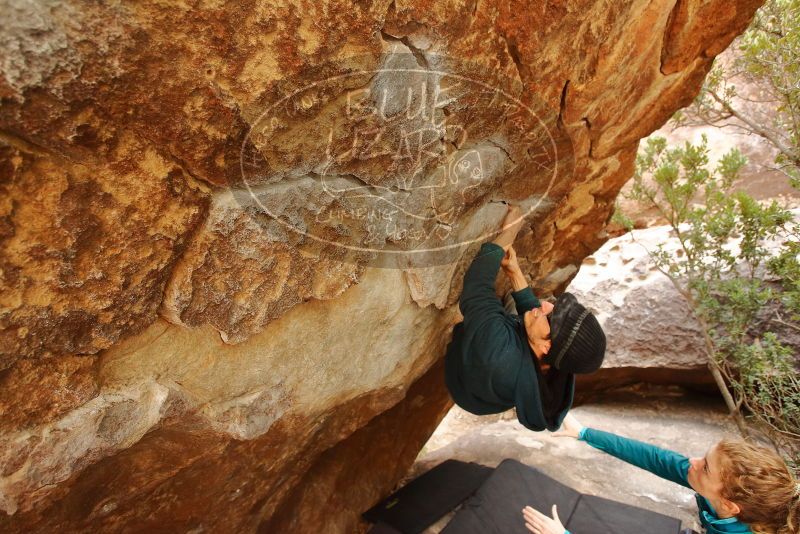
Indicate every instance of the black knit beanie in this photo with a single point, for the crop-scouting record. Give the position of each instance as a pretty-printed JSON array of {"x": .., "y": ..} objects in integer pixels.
[{"x": 578, "y": 342}]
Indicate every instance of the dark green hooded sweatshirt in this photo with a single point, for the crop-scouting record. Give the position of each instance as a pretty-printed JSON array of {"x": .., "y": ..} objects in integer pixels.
[{"x": 489, "y": 365}]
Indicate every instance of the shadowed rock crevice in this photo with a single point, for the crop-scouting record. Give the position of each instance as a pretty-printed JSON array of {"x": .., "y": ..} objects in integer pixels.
[
  {"x": 562, "y": 104},
  {"x": 523, "y": 71}
]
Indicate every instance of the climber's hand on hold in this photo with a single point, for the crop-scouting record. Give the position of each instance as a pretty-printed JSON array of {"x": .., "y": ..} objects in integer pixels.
[
  {"x": 511, "y": 227},
  {"x": 509, "y": 262},
  {"x": 513, "y": 217}
]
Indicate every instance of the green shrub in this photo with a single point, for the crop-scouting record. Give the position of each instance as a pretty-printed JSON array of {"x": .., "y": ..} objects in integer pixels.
[{"x": 729, "y": 273}]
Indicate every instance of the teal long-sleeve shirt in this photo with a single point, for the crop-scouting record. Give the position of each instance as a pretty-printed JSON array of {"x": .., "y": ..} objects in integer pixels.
[
  {"x": 665, "y": 464},
  {"x": 489, "y": 365}
]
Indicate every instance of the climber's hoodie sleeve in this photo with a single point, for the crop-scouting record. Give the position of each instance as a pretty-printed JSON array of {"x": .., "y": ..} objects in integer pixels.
[
  {"x": 478, "y": 302},
  {"x": 662, "y": 462},
  {"x": 525, "y": 300}
]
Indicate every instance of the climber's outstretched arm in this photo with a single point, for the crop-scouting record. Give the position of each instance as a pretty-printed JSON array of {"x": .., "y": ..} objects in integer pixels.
[
  {"x": 524, "y": 299},
  {"x": 478, "y": 301}
]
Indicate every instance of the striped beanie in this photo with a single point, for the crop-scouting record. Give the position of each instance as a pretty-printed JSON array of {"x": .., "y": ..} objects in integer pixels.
[{"x": 578, "y": 342}]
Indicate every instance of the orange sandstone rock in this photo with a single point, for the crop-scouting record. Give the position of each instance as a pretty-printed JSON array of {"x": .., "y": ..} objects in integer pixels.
[{"x": 232, "y": 234}]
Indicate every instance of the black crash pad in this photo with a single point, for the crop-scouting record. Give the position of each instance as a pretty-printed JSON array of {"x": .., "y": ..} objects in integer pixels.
[
  {"x": 430, "y": 496},
  {"x": 496, "y": 508}
]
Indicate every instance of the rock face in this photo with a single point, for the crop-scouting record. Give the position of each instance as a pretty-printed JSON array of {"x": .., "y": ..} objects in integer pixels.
[
  {"x": 83, "y": 263},
  {"x": 651, "y": 336},
  {"x": 232, "y": 234}
]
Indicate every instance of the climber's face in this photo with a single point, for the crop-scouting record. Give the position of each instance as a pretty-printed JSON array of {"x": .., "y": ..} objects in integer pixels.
[
  {"x": 705, "y": 477},
  {"x": 537, "y": 325}
]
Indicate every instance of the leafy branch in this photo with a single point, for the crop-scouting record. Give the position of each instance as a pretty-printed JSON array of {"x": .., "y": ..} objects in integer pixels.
[{"x": 729, "y": 245}]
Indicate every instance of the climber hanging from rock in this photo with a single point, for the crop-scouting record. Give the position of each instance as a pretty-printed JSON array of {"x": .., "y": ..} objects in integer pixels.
[{"x": 524, "y": 354}]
